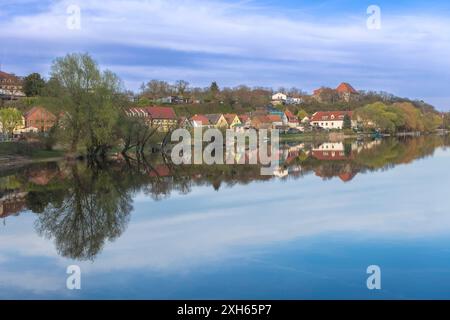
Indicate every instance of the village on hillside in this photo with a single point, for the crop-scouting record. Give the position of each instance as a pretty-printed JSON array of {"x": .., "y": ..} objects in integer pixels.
[{"x": 283, "y": 111}]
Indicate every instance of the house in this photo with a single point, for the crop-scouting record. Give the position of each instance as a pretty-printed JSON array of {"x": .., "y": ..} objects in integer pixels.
[
  {"x": 331, "y": 119},
  {"x": 305, "y": 120},
  {"x": 173, "y": 100},
  {"x": 261, "y": 122},
  {"x": 184, "y": 122},
  {"x": 232, "y": 120},
  {"x": 11, "y": 86},
  {"x": 279, "y": 98},
  {"x": 347, "y": 92},
  {"x": 217, "y": 120},
  {"x": 293, "y": 100},
  {"x": 344, "y": 91},
  {"x": 163, "y": 118},
  {"x": 245, "y": 120},
  {"x": 199, "y": 121},
  {"x": 276, "y": 120},
  {"x": 40, "y": 118},
  {"x": 291, "y": 119}
]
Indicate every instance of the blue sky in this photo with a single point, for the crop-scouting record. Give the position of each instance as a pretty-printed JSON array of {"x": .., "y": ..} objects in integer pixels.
[{"x": 269, "y": 43}]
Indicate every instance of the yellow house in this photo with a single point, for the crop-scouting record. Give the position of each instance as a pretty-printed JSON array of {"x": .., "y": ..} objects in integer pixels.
[
  {"x": 232, "y": 120},
  {"x": 217, "y": 120}
]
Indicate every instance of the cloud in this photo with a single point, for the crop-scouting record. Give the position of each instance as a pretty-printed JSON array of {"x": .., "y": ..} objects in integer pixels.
[{"x": 241, "y": 40}]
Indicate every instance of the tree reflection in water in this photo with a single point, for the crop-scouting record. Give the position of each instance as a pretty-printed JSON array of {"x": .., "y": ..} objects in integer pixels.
[
  {"x": 81, "y": 207},
  {"x": 96, "y": 208}
]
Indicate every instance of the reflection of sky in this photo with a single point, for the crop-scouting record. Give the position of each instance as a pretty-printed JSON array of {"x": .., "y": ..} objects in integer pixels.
[{"x": 303, "y": 238}]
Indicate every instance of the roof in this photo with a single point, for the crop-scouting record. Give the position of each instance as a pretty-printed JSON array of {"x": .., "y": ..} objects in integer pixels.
[
  {"x": 200, "y": 118},
  {"x": 274, "y": 118},
  {"x": 213, "y": 118},
  {"x": 9, "y": 76},
  {"x": 230, "y": 117},
  {"x": 319, "y": 91},
  {"x": 161, "y": 113},
  {"x": 330, "y": 115},
  {"x": 344, "y": 87},
  {"x": 290, "y": 116},
  {"x": 244, "y": 117},
  {"x": 40, "y": 109}
]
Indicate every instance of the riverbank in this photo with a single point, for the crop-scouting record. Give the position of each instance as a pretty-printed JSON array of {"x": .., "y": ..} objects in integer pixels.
[{"x": 14, "y": 155}]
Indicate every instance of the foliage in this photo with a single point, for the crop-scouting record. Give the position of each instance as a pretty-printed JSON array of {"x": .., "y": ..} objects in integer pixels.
[
  {"x": 91, "y": 100},
  {"x": 33, "y": 85},
  {"x": 347, "y": 123},
  {"x": 10, "y": 118},
  {"x": 301, "y": 114}
]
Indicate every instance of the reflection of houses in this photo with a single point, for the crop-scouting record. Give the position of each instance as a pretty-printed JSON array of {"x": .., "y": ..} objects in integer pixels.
[
  {"x": 43, "y": 176},
  {"x": 331, "y": 119},
  {"x": 160, "y": 170},
  {"x": 12, "y": 204},
  {"x": 332, "y": 151}
]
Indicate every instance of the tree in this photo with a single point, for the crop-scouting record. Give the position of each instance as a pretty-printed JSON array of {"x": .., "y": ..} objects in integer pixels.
[
  {"x": 33, "y": 85},
  {"x": 91, "y": 99},
  {"x": 214, "y": 88},
  {"x": 301, "y": 114},
  {"x": 10, "y": 119},
  {"x": 214, "y": 91},
  {"x": 181, "y": 87},
  {"x": 347, "y": 124}
]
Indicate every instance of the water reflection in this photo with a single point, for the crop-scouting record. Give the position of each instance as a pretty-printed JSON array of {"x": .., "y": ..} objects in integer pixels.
[{"x": 82, "y": 207}]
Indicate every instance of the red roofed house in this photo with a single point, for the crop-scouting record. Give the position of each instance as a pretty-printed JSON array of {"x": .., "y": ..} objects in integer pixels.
[
  {"x": 10, "y": 85},
  {"x": 199, "y": 121},
  {"x": 292, "y": 120},
  {"x": 346, "y": 91},
  {"x": 40, "y": 118},
  {"x": 163, "y": 118},
  {"x": 232, "y": 120},
  {"x": 330, "y": 119},
  {"x": 245, "y": 119}
]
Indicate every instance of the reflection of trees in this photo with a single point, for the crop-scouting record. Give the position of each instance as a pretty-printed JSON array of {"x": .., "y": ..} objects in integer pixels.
[
  {"x": 96, "y": 208},
  {"x": 82, "y": 207}
]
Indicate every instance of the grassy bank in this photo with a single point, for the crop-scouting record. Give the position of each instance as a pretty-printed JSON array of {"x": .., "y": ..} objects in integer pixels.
[
  {"x": 27, "y": 151},
  {"x": 305, "y": 137}
]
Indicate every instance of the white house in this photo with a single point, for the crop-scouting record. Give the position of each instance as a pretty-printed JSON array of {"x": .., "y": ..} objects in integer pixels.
[
  {"x": 280, "y": 97},
  {"x": 331, "y": 119}
]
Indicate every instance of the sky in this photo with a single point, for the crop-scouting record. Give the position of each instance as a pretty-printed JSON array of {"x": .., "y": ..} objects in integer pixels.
[{"x": 306, "y": 44}]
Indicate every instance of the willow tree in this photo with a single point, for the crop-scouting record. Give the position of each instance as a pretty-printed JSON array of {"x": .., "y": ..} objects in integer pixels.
[{"x": 89, "y": 98}]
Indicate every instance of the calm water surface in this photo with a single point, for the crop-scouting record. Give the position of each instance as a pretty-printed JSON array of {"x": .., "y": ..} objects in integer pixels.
[{"x": 155, "y": 231}]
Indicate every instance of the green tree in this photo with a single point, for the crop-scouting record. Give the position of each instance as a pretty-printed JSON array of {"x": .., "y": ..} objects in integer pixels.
[
  {"x": 91, "y": 100},
  {"x": 301, "y": 114},
  {"x": 10, "y": 118},
  {"x": 33, "y": 85},
  {"x": 347, "y": 124},
  {"x": 144, "y": 102}
]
